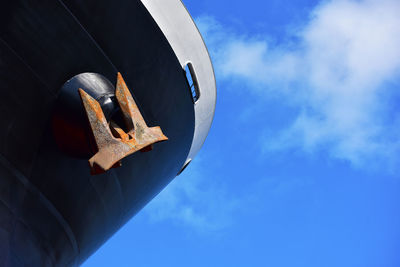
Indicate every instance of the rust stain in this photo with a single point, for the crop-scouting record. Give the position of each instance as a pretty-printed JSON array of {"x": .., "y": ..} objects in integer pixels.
[{"x": 112, "y": 141}]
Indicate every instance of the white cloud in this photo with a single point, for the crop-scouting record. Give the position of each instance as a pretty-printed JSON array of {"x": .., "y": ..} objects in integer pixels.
[
  {"x": 193, "y": 200},
  {"x": 339, "y": 74}
]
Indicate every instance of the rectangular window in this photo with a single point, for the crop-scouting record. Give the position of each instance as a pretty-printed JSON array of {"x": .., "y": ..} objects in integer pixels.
[{"x": 192, "y": 81}]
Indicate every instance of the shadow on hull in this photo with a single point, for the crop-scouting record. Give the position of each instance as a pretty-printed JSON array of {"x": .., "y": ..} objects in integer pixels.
[{"x": 52, "y": 211}]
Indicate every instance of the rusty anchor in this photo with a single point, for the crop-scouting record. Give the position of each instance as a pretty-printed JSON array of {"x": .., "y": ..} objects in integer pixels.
[{"x": 113, "y": 143}]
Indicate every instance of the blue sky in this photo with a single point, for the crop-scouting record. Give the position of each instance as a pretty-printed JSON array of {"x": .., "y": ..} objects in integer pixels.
[{"x": 301, "y": 165}]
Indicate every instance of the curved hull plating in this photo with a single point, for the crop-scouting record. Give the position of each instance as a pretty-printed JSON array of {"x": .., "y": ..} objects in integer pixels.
[{"x": 52, "y": 211}]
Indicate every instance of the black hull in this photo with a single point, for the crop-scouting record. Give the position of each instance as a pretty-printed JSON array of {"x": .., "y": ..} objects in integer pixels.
[{"x": 52, "y": 211}]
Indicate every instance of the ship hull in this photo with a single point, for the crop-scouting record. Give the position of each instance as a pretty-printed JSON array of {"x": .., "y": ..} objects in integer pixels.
[{"x": 52, "y": 211}]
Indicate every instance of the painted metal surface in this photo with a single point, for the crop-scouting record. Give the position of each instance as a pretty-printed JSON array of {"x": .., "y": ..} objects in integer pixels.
[
  {"x": 188, "y": 45},
  {"x": 54, "y": 213}
]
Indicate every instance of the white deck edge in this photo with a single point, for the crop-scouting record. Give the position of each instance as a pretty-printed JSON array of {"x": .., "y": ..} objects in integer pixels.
[{"x": 185, "y": 39}]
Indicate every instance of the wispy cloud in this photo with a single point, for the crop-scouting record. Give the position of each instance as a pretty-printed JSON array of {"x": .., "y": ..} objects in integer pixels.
[
  {"x": 194, "y": 200},
  {"x": 341, "y": 71}
]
